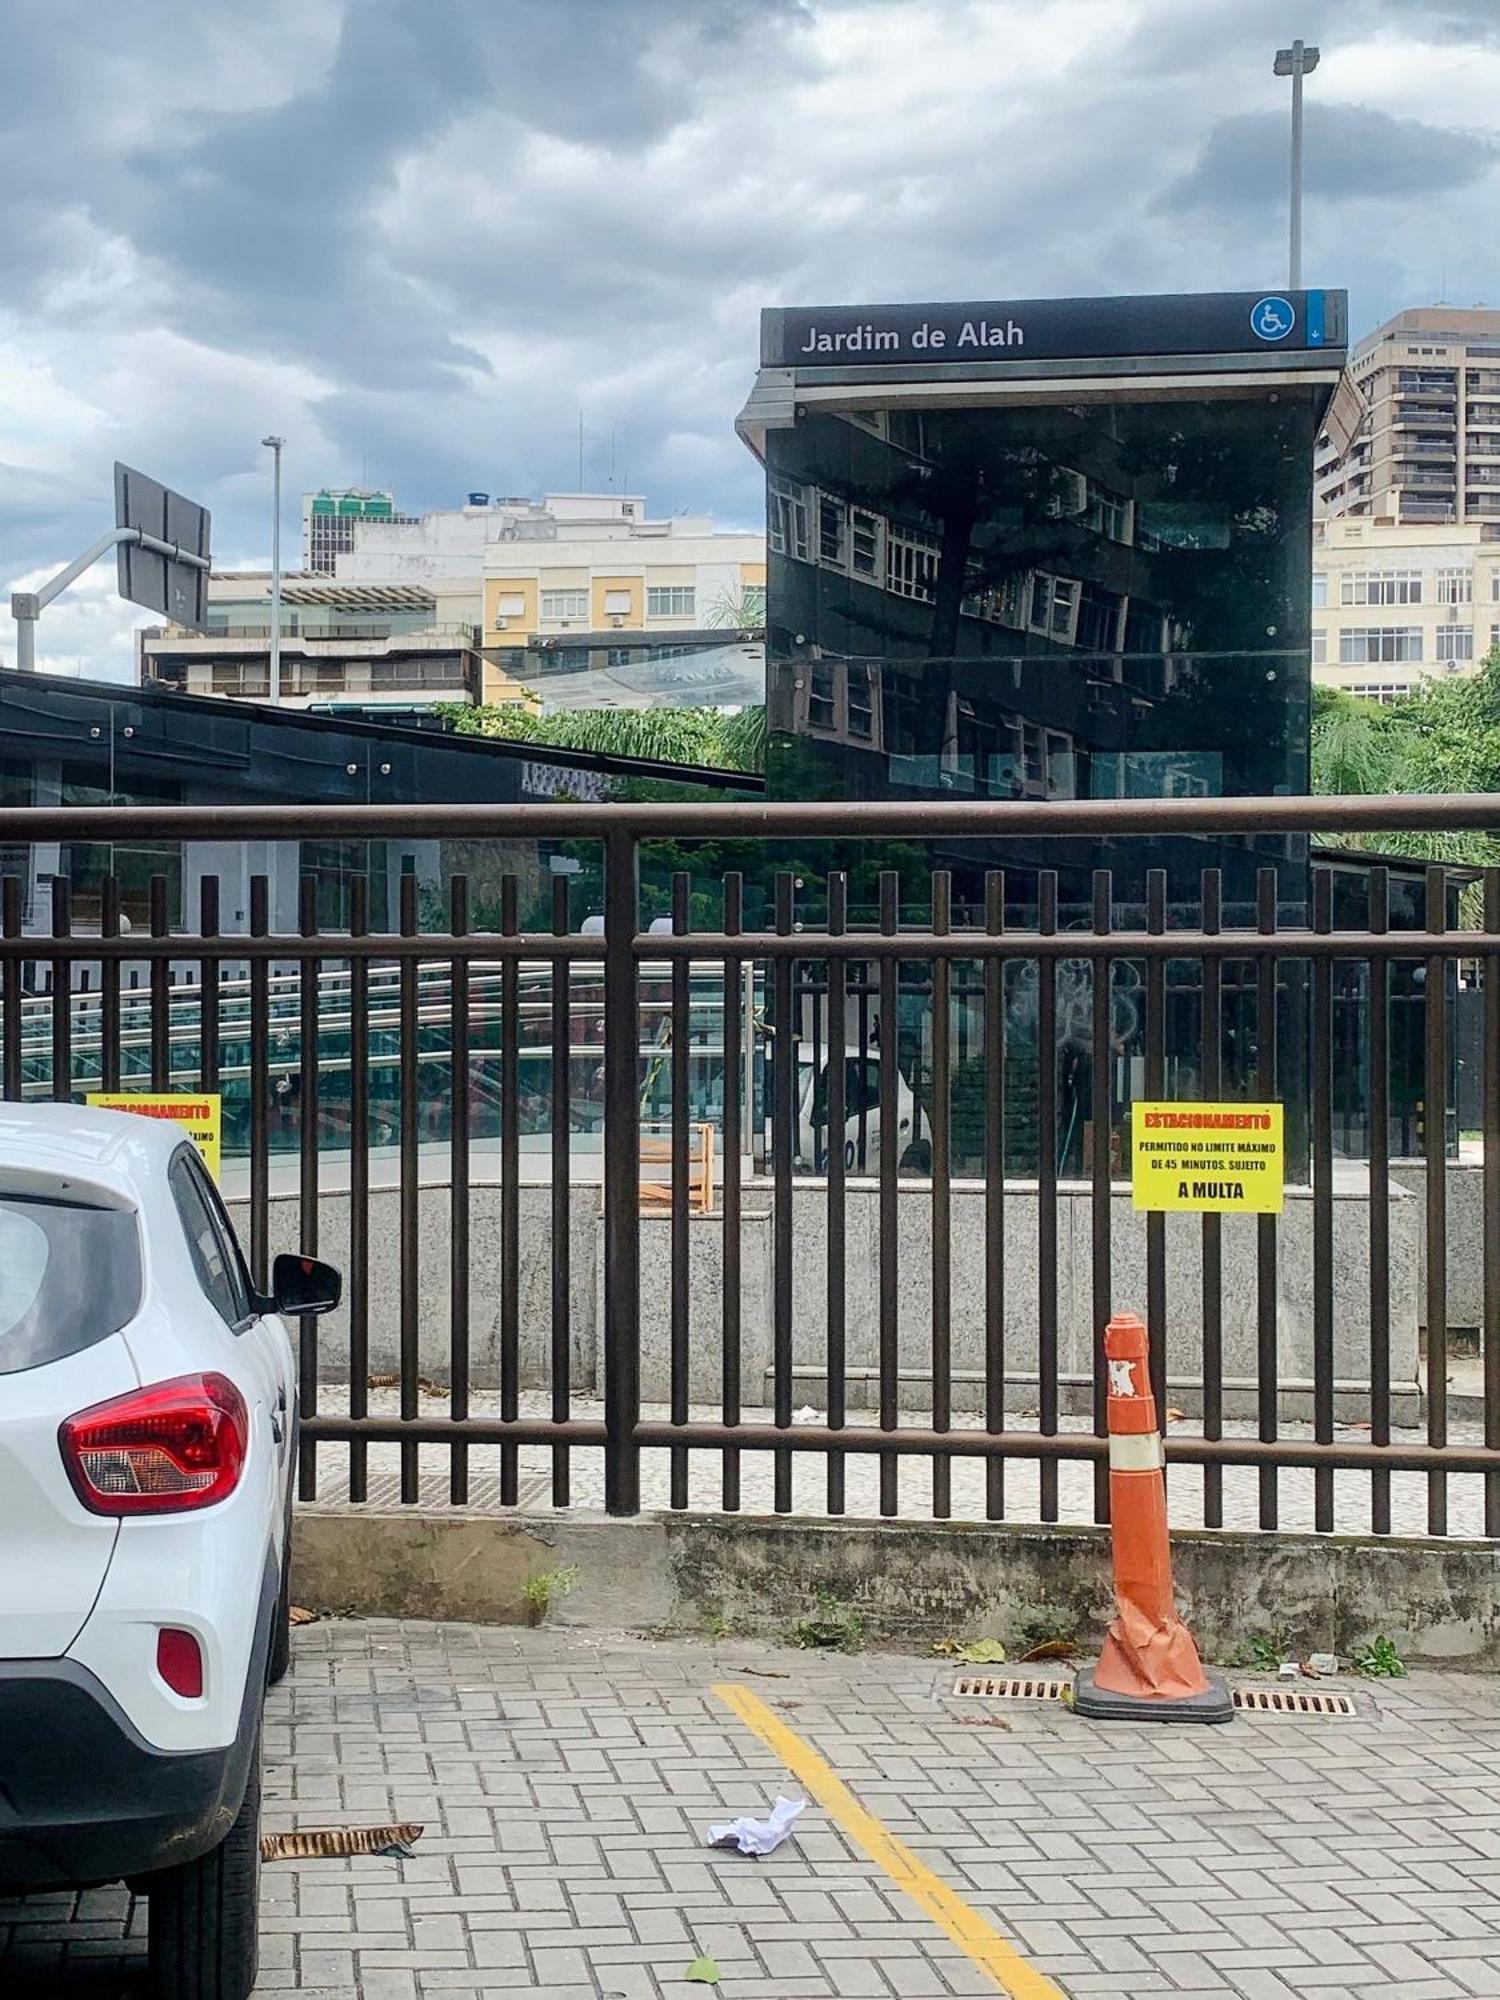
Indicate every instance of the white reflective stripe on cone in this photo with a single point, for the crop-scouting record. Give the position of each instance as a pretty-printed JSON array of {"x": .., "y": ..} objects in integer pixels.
[{"x": 1141, "y": 1453}]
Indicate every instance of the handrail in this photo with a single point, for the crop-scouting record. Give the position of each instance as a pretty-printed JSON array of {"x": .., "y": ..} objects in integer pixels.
[{"x": 750, "y": 818}]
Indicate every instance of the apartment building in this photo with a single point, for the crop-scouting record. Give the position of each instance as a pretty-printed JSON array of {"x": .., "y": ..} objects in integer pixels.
[
  {"x": 566, "y": 589},
  {"x": 330, "y": 517},
  {"x": 555, "y": 582},
  {"x": 386, "y": 649},
  {"x": 1394, "y": 602},
  {"x": 487, "y": 601},
  {"x": 1427, "y": 449}
]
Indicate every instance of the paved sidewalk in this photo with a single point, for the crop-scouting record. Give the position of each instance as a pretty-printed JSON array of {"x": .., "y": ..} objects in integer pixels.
[{"x": 565, "y": 1781}]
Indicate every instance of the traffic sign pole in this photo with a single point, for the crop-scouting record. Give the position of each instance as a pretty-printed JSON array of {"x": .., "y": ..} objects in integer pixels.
[{"x": 27, "y": 606}]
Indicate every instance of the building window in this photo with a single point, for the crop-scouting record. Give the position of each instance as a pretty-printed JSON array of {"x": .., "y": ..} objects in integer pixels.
[
  {"x": 1320, "y": 589},
  {"x": 833, "y": 532},
  {"x": 510, "y": 604},
  {"x": 1381, "y": 586},
  {"x": 866, "y": 542},
  {"x": 786, "y": 519},
  {"x": 1367, "y": 645},
  {"x": 753, "y": 603},
  {"x": 1054, "y": 605},
  {"x": 1108, "y": 513},
  {"x": 911, "y": 566},
  {"x": 558, "y": 605},
  {"x": 671, "y": 600},
  {"x": 1098, "y": 619},
  {"x": 1319, "y": 649},
  {"x": 863, "y": 702},
  {"x": 1069, "y": 495},
  {"x": 1455, "y": 642},
  {"x": 822, "y": 711},
  {"x": 1455, "y": 586},
  {"x": 617, "y": 603},
  {"x": 1385, "y": 692}
]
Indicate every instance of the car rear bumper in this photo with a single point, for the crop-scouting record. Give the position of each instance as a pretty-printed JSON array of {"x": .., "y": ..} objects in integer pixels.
[{"x": 83, "y": 1798}]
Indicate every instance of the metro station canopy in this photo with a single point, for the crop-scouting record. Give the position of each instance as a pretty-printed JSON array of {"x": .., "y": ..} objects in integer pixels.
[{"x": 1043, "y": 548}]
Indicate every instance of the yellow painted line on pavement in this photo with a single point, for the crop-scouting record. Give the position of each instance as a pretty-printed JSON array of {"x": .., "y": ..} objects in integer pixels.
[{"x": 977, "y": 1938}]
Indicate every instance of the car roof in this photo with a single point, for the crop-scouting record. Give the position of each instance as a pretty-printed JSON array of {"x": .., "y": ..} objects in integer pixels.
[{"x": 118, "y": 1150}]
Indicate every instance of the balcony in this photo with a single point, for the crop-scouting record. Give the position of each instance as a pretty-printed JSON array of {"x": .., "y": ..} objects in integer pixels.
[
  {"x": 1423, "y": 481},
  {"x": 244, "y": 641},
  {"x": 1408, "y": 416}
]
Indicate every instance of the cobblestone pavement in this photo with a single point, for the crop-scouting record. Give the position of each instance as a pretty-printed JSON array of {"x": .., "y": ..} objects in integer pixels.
[{"x": 565, "y": 1780}]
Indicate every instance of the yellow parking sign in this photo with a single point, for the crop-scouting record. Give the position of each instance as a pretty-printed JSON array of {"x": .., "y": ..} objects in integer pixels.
[
  {"x": 200, "y": 1112},
  {"x": 1211, "y": 1159}
]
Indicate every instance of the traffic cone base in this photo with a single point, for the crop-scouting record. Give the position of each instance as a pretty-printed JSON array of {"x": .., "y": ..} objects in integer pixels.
[{"x": 1214, "y": 1704}]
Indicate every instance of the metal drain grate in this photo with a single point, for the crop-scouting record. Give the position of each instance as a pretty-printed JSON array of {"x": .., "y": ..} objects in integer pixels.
[
  {"x": 1011, "y": 1687},
  {"x": 1261, "y": 1701},
  {"x": 1293, "y": 1701}
]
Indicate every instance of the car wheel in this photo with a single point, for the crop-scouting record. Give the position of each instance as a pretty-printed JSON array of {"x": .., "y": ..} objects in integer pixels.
[
  {"x": 279, "y": 1658},
  {"x": 204, "y": 1941},
  {"x": 917, "y": 1159}
]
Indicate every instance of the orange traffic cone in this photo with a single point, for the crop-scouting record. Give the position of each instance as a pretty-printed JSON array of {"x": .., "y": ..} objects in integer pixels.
[{"x": 1149, "y": 1669}]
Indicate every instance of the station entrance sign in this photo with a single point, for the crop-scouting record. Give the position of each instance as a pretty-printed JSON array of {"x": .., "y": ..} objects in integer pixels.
[{"x": 1209, "y": 1159}]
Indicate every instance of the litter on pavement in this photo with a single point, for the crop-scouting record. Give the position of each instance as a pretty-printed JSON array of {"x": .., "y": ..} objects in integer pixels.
[{"x": 758, "y": 1836}]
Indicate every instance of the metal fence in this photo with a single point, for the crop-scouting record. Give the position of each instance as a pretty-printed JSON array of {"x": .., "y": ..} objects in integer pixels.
[{"x": 828, "y": 1003}]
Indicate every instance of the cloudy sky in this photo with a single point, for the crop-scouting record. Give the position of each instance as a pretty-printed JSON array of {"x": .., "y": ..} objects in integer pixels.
[{"x": 419, "y": 240}]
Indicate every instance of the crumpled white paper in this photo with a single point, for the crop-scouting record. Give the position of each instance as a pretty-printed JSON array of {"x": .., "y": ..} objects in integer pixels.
[{"x": 758, "y": 1836}]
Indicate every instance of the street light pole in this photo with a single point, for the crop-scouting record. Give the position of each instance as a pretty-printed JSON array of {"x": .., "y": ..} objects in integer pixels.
[
  {"x": 275, "y": 444},
  {"x": 1300, "y": 60}
]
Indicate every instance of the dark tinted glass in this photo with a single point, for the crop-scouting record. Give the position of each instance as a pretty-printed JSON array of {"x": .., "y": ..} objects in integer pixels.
[
  {"x": 1027, "y": 601},
  {"x": 69, "y": 1277},
  {"x": 213, "y": 1259}
]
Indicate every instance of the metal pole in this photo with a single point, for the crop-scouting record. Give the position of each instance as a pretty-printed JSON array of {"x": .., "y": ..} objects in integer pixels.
[
  {"x": 622, "y": 1168},
  {"x": 27, "y": 606},
  {"x": 1294, "y": 268},
  {"x": 275, "y": 444},
  {"x": 25, "y": 639}
]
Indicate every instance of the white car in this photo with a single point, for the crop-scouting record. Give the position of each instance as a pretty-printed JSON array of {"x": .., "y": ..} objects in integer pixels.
[{"x": 147, "y": 1445}]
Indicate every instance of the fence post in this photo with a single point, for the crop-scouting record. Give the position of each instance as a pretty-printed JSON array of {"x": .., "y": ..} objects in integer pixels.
[{"x": 622, "y": 1171}]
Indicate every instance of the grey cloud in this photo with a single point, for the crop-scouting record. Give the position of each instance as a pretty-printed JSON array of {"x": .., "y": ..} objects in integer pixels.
[
  {"x": 1351, "y": 151},
  {"x": 384, "y": 268}
]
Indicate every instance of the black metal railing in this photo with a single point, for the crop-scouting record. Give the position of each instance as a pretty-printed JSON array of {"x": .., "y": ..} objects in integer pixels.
[{"x": 920, "y": 1128}]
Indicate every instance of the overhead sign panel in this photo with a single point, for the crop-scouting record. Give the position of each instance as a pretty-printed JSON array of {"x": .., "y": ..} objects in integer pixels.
[
  {"x": 149, "y": 572},
  {"x": 1053, "y": 329}
]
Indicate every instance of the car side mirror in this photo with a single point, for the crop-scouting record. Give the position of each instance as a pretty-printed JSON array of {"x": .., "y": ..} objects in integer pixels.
[{"x": 303, "y": 1285}]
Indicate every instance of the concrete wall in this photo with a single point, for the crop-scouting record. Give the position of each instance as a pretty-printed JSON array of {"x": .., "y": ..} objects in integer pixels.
[
  {"x": 914, "y": 1267},
  {"x": 911, "y": 1582},
  {"x": 1465, "y": 1180}
]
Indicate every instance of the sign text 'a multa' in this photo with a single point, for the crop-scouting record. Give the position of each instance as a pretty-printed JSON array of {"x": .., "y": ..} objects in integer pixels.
[{"x": 1217, "y": 1159}]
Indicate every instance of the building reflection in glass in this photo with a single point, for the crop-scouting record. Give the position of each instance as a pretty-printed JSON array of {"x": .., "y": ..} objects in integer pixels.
[{"x": 1021, "y": 600}]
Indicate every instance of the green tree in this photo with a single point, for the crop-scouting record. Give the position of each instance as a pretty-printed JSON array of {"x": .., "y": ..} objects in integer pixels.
[
  {"x": 714, "y": 738},
  {"x": 1442, "y": 737}
]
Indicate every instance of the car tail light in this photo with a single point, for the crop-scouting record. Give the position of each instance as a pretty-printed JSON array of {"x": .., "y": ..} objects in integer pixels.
[
  {"x": 179, "y": 1661},
  {"x": 162, "y": 1450}
]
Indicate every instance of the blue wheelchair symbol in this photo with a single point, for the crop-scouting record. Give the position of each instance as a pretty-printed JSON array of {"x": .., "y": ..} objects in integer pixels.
[{"x": 1272, "y": 319}]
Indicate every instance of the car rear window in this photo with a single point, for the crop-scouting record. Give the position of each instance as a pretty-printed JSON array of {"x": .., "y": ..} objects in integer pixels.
[{"x": 70, "y": 1275}]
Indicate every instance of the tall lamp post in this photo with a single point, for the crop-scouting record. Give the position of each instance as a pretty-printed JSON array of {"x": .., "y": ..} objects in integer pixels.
[
  {"x": 1300, "y": 60},
  {"x": 275, "y": 444}
]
